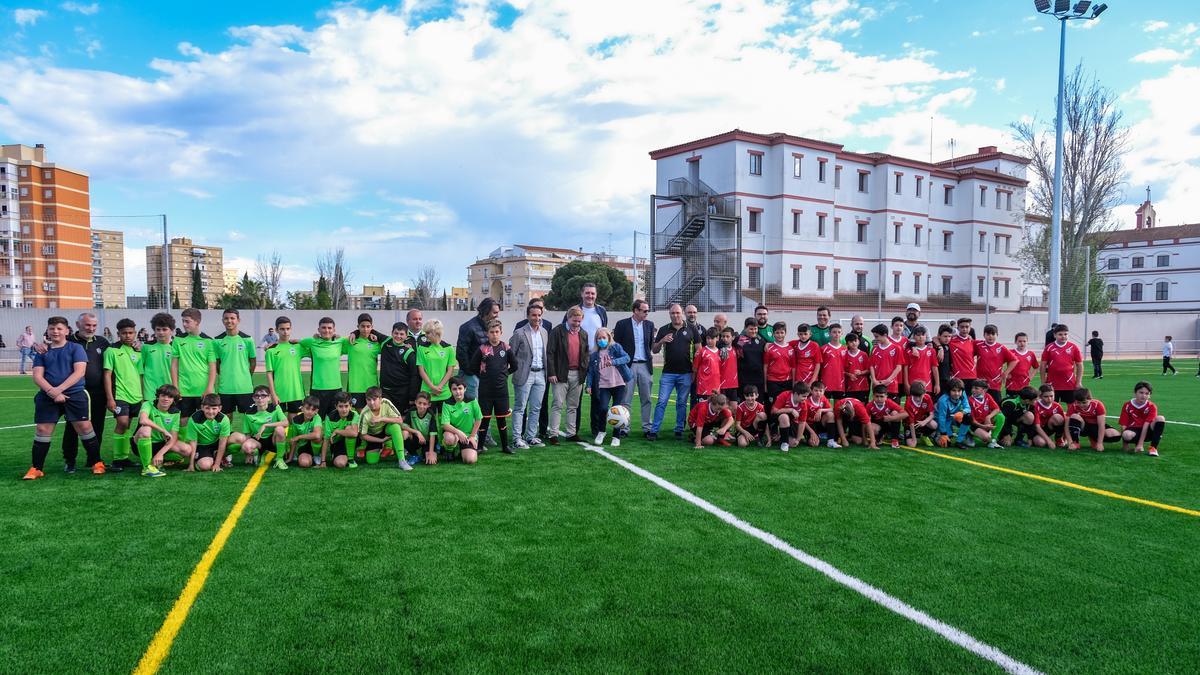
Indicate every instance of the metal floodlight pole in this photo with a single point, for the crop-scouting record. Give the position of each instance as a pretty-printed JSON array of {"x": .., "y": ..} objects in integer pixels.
[
  {"x": 166, "y": 265},
  {"x": 1087, "y": 286},
  {"x": 635, "y": 269},
  {"x": 987, "y": 304}
]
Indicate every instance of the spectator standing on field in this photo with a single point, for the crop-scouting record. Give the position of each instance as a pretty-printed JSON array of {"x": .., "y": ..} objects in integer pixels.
[
  {"x": 471, "y": 336},
  {"x": 636, "y": 336},
  {"x": 528, "y": 345},
  {"x": 25, "y": 343},
  {"x": 819, "y": 332},
  {"x": 94, "y": 347},
  {"x": 1096, "y": 346},
  {"x": 567, "y": 362},
  {"x": 912, "y": 318},
  {"x": 677, "y": 341},
  {"x": 1168, "y": 351}
]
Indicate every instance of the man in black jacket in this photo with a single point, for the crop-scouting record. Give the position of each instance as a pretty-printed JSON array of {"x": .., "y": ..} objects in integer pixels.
[
  {"x": 93, "y": 381},
  {"x": 471, "y": 335},
  {"x": 636, "y": 337}
]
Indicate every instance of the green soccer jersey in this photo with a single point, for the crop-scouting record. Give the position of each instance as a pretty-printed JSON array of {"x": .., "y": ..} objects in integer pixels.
[
  {"x": 195, "y": 353},
  {"x": 252, "y": 423},
  {"x": 326, "y": 358},
  {"x": 207, "y": 432},
  {"x": 436, "y": 360},
  {"x": 367, "y": 423},
  {"x": 336, "y": 422},
  {"x": 156, "y": 365},
  {"x": 283, "y": 362},
  {"x": 126, "y": 367},
  {"x": 461, "y": 415},
  {"x": 427, "y": 425},
  {"x": 166, "y": 420},
  {"x": 300, "y": 426},
  {"x": 234, "y": 353},
  {"x": 362, "y": 364}
]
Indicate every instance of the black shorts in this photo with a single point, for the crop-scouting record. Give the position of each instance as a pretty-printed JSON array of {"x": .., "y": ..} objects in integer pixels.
[
  {"x": 858, "y": 395},
  {"x": 995, "y": 394},
  {"x": 1064, "y": 395},
  {"x": 77, "y": 407},
  {"x": 127, "y": 409},
  {"x": 398, "y": 397},
  {"x": 732, "y": 394},
  {"x": 495, "y": 405},
  {"x": 853, "y": 428},
  {"x": 834, "y": 396},
  {"x": 188, "y": 405},
  {"x": 290, "y": 407},
  {"x": 243, "y": 403},
  {"x": 1090, "y": 430},
  {"x": 373, "y": 446},
  {"x": 894, "y": 397},
  {"x": 337, "y": 446},
  {"x": 358, "y": 400},
  {"x": 209, "y": 451},
  {"x": 308, "y": 448},
  {"x": 774, "y": 389},
  {"x": 902, "y": 389},
  {"x": 325, "y": 397},
  {"x": 711, "y": 430}
]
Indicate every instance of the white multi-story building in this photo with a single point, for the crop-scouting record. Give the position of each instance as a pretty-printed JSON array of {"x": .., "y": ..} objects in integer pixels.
[
  {"x": 814, "y": 224},
  {"x": 1150, "y": 268}
]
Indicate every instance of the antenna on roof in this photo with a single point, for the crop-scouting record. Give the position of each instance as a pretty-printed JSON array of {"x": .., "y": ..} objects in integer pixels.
[
  {"x": 952, "y": 153},
  {"x": 931, "y": 139}
]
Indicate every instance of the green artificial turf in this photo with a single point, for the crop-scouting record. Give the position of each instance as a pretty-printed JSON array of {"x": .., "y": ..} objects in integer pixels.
[{"x": 558, "y": 559}]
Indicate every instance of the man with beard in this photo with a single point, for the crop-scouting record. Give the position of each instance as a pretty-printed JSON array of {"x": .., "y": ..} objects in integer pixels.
[
  {"x": 762, "y": 318},
  {"x": 912, "y": 315},
  {"x": 820, "y": 331},
  {"x": 856, "y": 328}
]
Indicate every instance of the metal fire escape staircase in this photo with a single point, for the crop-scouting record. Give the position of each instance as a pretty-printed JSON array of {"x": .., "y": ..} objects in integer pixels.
[{"x": 706, "y": 260}]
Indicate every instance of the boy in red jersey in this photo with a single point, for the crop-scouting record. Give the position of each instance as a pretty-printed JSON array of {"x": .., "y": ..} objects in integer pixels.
[
  {"x": 712, "y": 421},
  {"x": 833, "y": 371},
  {"x": 854, "y": 363},
  {"x": 984, "y": 410},
  {"x": 919, "y": 406},
  {"x": 1140, "y": 421},
  {"x": 750, "y": 419},
  {"x": 1062, "y": 365},
  {"x": 886, "y": 415},
  {"x": 1025, "y": 363},
  {"x": 706, "y": 366},
  {"x": 819, "y": 415},
  {"x": 1048, "y": 419},
  {"x": 806, "y": 356},
  {"x": 729, "y": 364},
  {"x": 962, "y": 352},
  {"x": 854, "y": 424},
  {"x": 897, "y": 336},
  {"x": 790, "y": 414},
  {"x": 921, "y": 358},
  {"x": 1085, "y": 417},
  {"x": 992, "y": 361},
  {"x": 777, "y": 363},
  {"x": 885, "y": 361}
]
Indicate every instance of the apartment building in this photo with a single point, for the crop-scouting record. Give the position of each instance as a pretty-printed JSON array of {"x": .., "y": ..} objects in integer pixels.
[
  {"x": 108, "y": 268},
  {"x": 184, "y": 257},
  {"x": 513, "y": 275},
  {"x": 1151, "y": 268}
]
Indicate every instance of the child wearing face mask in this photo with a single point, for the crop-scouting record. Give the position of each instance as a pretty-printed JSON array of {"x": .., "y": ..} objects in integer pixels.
[{"x": 608, "y": 371}]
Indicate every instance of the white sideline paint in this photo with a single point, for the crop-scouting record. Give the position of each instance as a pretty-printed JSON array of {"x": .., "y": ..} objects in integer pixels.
[
  {"x": 859, "y": 586},
  {"x": 1186, "y": 424},
  {"x": 19, "y": 426}
]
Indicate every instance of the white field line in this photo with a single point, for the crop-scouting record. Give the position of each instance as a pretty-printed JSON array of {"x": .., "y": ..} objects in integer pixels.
[
  {"x": 1186, "y": 424},
  {"x": 19, "y": 426},
  {"x": 950, "y": 633}
]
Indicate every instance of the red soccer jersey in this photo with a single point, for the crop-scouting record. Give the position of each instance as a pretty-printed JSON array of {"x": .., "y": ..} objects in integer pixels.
[
  {"x": 833, "y": 372},
  {"x": 860, "y": 409},
  {"x": 853, "y": 363},
  {"x": 1060, "y": 363},
  {"x": 1022, "y": 371},
  {"x": 746, "y": 413},
  {"x": 814, "y": 408},
  {"x": 1088, "y": 413},
  {"x": 921, "y": 362},
  {"x": 878, "y": 412},
  {"x": 901, "y": 342},
  {"x": 785, "y": 400},
  {"x": 1133, "y": 417},
  {"x": 1043, "y": 412},
  {"x": 991, "y": 360},
  {"x": 702, "y": 415},
  {"x": 981, "y": 408},
  {"x": 707, "y": 366},
  {"x": 962, "y": 357},
  {"x": 805, "y": 359},
  {"x": 778, "y": 362},
  {"x": 883, "y": 361},
  {"x": 918, "y": 408},
  {"x": 729, "y": 370}
]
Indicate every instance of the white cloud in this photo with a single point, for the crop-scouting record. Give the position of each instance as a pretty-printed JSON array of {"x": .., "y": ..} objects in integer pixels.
[
  {"x": 195, "y": 192},
  {"x": 1001, "y": 84},
  {"x": 1151, "y": 26},
  {"x": 135, "y": 270},
  {"x": 1164, "y": 145},
  {"x": 234, "y": 235},
  {"x": 27, "y": 17},
  {"x": 1161, "y": 55},
  {"x": 92, "y": 48},
  {"x": 86, "y": 10}
]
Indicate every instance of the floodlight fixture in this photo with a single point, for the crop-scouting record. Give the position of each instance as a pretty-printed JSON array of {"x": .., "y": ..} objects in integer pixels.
[
  {"x": 1041, "y": 5},
  {"x": 1098, "y": 10},
  {"x": 1081, "y": 7},
  {"x": 1062, "y": 6}
]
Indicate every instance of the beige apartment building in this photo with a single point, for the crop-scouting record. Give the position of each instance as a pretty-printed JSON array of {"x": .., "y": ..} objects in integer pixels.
[
  {"x": 108, "y": 268},
  {"x": 184, "y": 256},
  {"x": 515, "y": 274}
]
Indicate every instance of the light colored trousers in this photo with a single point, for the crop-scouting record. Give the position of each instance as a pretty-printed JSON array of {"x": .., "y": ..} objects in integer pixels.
[
  {"x": 643, "y": 380},
  {"x": 566, "y": 394},
  {"x": 529, "y": 393}
]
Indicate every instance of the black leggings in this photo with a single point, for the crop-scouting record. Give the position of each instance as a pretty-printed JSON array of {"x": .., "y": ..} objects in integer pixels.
[
  {"x": 1097, "y": 369},
  {"x": 1167, "y": 365}
]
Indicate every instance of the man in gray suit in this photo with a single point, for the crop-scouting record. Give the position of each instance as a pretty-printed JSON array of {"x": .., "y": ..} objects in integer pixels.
[
  {"x": 636, "y": 337},
  {"x": 528, "y": 345}
]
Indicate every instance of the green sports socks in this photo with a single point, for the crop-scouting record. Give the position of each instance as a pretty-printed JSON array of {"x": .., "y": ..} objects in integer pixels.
[
  {"x": 396, "y": 432},
  {"x": 145, "y": 451},
  {"x": 120, "y": 446}
]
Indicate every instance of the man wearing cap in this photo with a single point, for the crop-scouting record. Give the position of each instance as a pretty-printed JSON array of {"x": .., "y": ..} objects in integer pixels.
[
  {"x": 820, "y": 330},
  {"x": 911, "y": 314}
]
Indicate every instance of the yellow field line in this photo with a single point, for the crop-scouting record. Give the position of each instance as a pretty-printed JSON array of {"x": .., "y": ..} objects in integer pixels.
[
  {"x": 160, "y": 646},
  {"x": 1055, "y": 481}
]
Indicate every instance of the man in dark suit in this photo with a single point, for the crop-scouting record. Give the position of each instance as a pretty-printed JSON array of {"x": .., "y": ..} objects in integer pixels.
[{"x": 636, "y": 337}]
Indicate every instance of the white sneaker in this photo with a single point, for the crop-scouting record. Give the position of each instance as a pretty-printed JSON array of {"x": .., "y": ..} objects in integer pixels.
[
  {"x": 616, "y": 442},
  {"x": 833, "y": 444},
  {"x": 599, "y": 438},
  {"x": 994, "y": 444},
  {"x": 404, "y": 466},
  {"x": 783, "y": 446},
  {"x": 520, "y": 444},
  {"x": 535, "y": 441}
]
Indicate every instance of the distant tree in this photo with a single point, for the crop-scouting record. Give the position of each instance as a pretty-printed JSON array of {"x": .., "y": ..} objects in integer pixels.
[
  {"x": 268, "y": 273},
  {"x": 613, "y": 290},
  {"x": 333, "y": 266},
  {"x": 445, "y": 302},
  {"x": 425, "y": 287},
  {"x": 175, "y": 300},
  {"x": 323, "y": 299},
  {"x": 198, "y": 299},
  {"x": 301, "y": 300}
]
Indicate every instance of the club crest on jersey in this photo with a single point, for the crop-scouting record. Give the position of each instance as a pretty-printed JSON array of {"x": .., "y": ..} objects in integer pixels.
[{"x": 292, "y": 351}]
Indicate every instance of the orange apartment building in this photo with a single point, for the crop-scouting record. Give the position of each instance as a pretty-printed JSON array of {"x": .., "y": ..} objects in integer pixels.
[{"x": 45, "y": 232}]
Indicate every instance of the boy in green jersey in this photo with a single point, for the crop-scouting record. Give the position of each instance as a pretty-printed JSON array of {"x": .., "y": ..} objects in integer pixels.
[
  {"x": 283, "y": 368},
  {"x": 159, "y": 361},
  {"x": 158, "y": 432},
  {"x": 326, "y": 351},
  {"x": 305, "y": 432},
  {"x": 341, "y": 433},
  {"x": 460, "y": 420},
  {"x": 264, "y": 429},
  {"x": 381, "y": 423},
  {"x": 208, "y": 435},
  {"x": 436, "y": 364},
  {"x": 421, "y": 425},
  {"x": 123, "y": 385},
  {"x": 236, "y": 358},
  {"x": 197, "y": 365},
  {"x": 362, "y": 360}
]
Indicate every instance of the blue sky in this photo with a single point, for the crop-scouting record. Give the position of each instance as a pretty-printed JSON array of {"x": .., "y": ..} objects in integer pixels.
[{"x": 434, "y": 132}]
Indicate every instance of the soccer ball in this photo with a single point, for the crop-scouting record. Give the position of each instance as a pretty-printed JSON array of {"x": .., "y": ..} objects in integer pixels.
[{"x": 618, "y": 417}]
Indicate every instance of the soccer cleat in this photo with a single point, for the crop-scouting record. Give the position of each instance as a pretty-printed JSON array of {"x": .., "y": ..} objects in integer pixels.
[
  {"x": 68, "y": 469},
  {"x": 153, "y": 472},
  {"x": 616, "y": 442},
  {"x": 599, "y": 439},
  {"x": 1153, "y": 451},
  {"x": 508, "y": 450},
  {"x": 535, "y": 441},
  {"x": 994, "y": 445},
  {"x": 783, "y": 446},
  {"x": 280, "y": 464},
  {"x": 833, "y": 444},
  {"x": 34, "y": 473},
  {"x": 651, "y": 436},
  {"x": 943, "y": 441},
  {"x": 895, "y": 443},
  {"x": 404, "y": 466},
  {"x": 1073, "y": 446},
  {"x": 98, "y": 469},
  {"x": 678, "y": 435},
  {"x": 553, "y": 440},
  {"x": 927, "y": 441},
  {"x": 352, "y": 464},
  {"x": 227, "y": 462}
]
